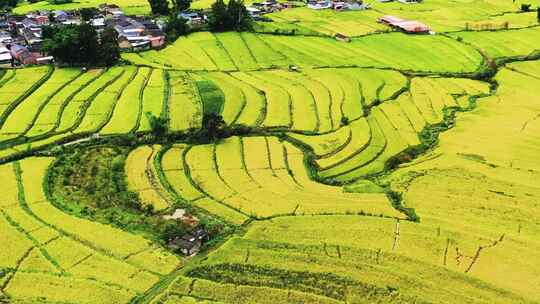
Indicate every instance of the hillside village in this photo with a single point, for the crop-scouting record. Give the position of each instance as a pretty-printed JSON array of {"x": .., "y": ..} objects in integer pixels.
[{"x": 21, "y": 37}]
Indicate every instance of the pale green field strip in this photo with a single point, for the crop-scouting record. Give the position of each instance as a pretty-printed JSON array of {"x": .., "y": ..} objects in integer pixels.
[
  {"x": 185, "y": 107},
  {"x": 103, "y": 238},
  {"x": 396, "y": 50},
  {"x": 15, "y": 89},
  {"x": 304, "y": 114},
  {"x": 262, "y": 51},
  {"x": 6, "y": 76},
  {"x": 174, "y": 170},
  {"x": 499, "y": 44},
  {"x": 395, "y": 144},
  {"x": 73, "y": 112},
  {"x": 354, "y": 100},
  {"x": 411, "y": 111},
  {"x": 360, "y": 137},
  {"x": 531, "y": 68},
  {"x": 213, "y": 49},
  {"x": 235, "y": 100},
  {"x": 10, "y": 193},
  {"x": 127, "y": 112},
  {"x": 102, "y": 107},
  {"x": 196, "y": 52},
  {"x": 320, "y": 94},
  {"x": 421, "y": 98},
  {"x": 238, "y": 50},
  {"x": 361, "y": 154},
  {"x": 139, "y": 174},
  {"x": 278, "y": 103},
  {"x": 153, "y": 99},
  {"x": 326, "y": 144},
  {"x": 49, "y": 116},
  {"x": 200, "y": 291},
  {"x": 254, "y": 109},
  {"x": 400, "y": 122},
  {"x": 334, "y": 84},
  {"x": 23, "y": 116}
]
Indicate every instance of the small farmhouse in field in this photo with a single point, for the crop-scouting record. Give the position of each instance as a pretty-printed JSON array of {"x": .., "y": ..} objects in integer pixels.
[
  {"x": 189, "y": 244},
  {"x": 408, "y": 26}
]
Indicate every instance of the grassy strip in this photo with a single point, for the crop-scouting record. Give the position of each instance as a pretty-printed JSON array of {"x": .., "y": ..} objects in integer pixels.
[
  {"x": 21, "y": 98},
  {"x": 141, "y": 94}
]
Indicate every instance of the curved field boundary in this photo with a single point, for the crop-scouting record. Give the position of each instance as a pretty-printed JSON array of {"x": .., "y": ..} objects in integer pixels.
[
  {"x": 110, "y": 109},
  {"x": 362, "y": 133},
  {"x": 235, "y": 99},
  {"x": 127, "y": 110},
  {"x": 74, "y": 110},
  {"x": 105, "y": 239},
  {"x": 27, "y": 92},
  {"x": 7, "y": 75},
  {"x": 305, "y": 115},
  {"x": 22, "y": 117},
  {"x": 153, "y": 98},
  {"x": 277, "y": 100},
  {"x": 255, "y": 108},
  {"x": 141, "y": 178},
  {"x": 320, "y": 94},
  {"x": 337, "y": 93},
  {"x": 325, "y": 145}
]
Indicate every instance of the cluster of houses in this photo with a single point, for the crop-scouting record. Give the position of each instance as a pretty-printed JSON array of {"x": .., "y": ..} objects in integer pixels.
[
  {"x": 337, "y": 5},
  {"x": 258, "y": 9},
  {"x": 190, "y": 243},
  {"x": 21, "y": 37}
]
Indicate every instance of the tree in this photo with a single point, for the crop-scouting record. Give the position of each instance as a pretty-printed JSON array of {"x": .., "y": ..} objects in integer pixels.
[
  {"x": 87, "y": 13},
  {"x": 159, "y": 7},
  {"x": 88, "y": 44},
  {"x": 181, "y": 5},
  {"x": 79, "y": 45},
  {"x": 176, "y": 26},
  {"x": 218, "y": 20},
  {"x": 239, "y": 19},
  {"x": 233, "y": 16},
  {"x": 214, "y": 126},
  {"x": 8, "y": 4},
  {"x": 158, "y": 125},
  {"x": 109, "y": 51}
]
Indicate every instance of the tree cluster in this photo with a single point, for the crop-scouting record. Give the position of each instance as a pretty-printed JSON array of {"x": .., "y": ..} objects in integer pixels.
[
  {"x": 161, "y": 7},
  {"x": 8, "y": 4},
  {"x": 229, "y": 17},
  {"x": 80, "y": 45}
]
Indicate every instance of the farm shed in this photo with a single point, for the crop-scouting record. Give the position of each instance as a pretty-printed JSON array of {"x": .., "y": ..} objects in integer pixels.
[{"x": 408, "y": 26}]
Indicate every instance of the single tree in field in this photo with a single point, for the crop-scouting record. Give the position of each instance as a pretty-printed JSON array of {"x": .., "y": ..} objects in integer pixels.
[
  {"x": 159, "y": 7},
  {"x": 181, "y": 5},
  {"x": 110, "y": 52}
]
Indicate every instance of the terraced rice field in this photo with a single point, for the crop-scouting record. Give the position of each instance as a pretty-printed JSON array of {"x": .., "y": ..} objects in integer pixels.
[
  {"x": 391, "y": 169},
  {"x": 233, "y": 51}
]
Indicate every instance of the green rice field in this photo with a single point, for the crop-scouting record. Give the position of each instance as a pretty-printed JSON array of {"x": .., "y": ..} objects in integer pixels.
[{"x": 393, "y": 168}]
